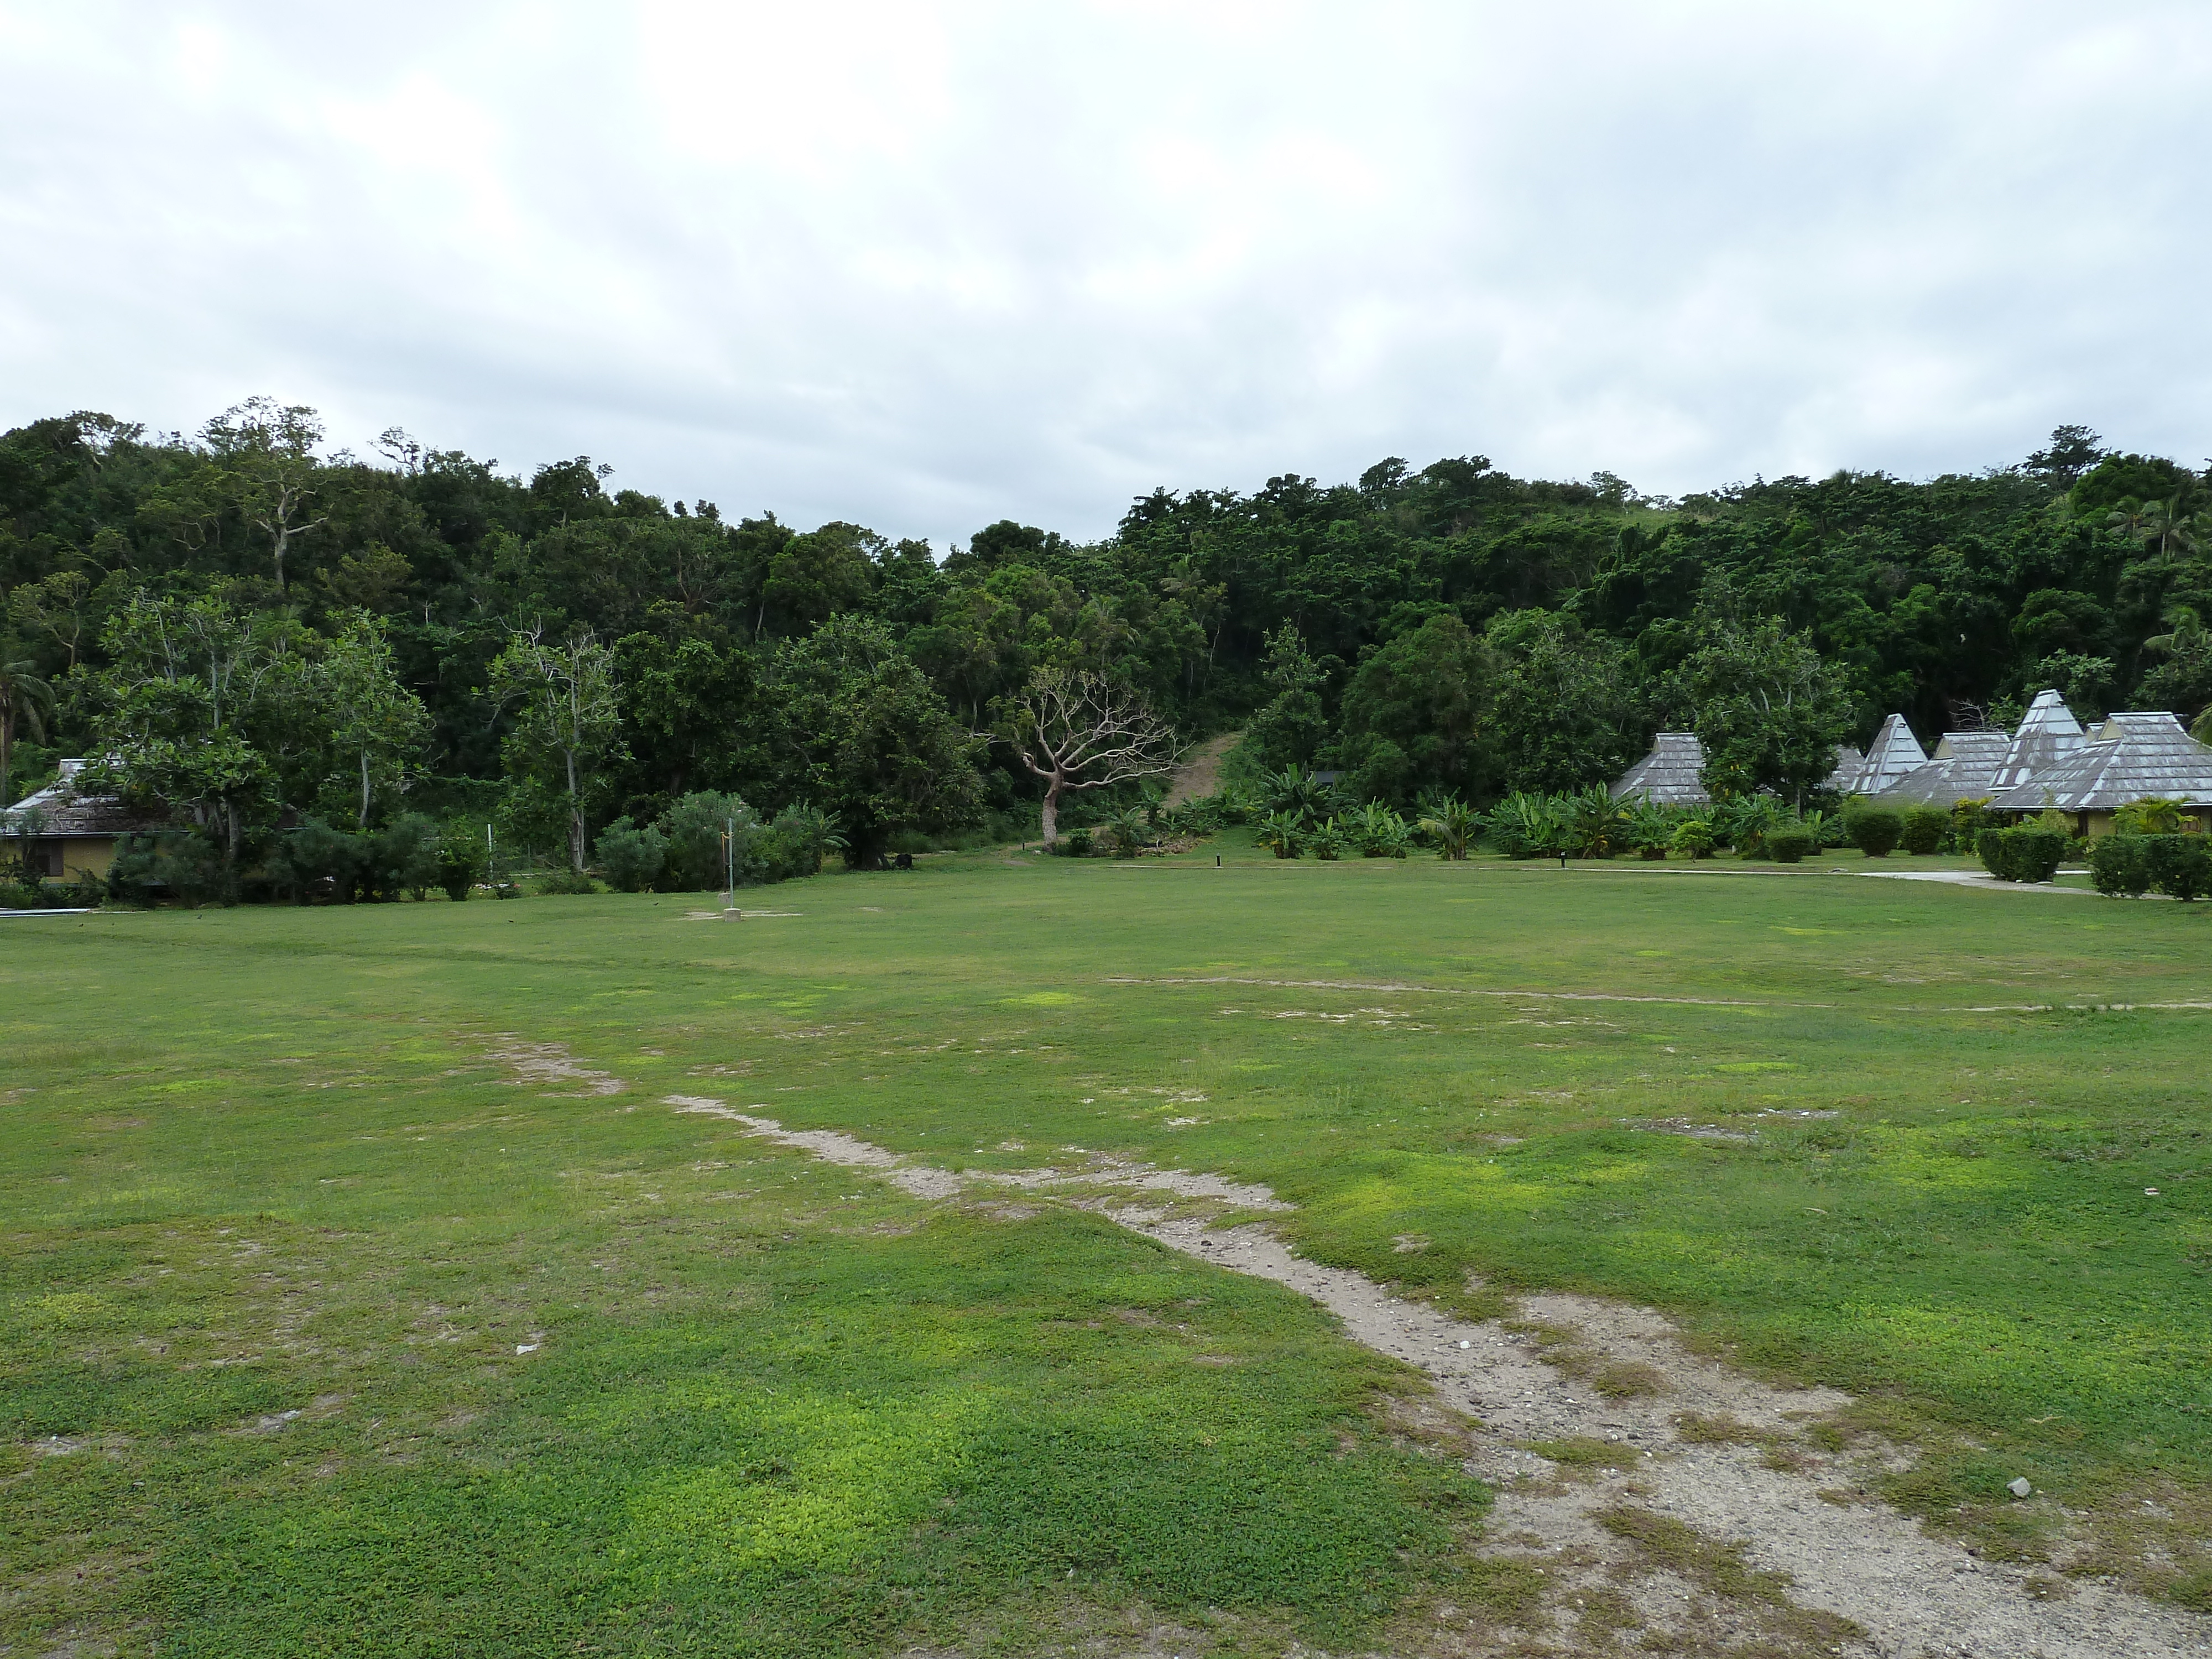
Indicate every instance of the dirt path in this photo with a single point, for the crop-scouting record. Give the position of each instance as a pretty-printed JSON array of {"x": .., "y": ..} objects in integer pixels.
[
  {"x": 1200, "y": 771},
  {"x": 1666, "y": 1498}
]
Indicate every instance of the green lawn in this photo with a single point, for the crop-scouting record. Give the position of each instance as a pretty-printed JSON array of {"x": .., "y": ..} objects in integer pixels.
[{"x": 265, "y": 1162}]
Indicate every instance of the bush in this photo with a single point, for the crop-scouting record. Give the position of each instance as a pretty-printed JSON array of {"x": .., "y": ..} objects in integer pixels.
[
  {"x": 631, "y": 859},
  {"x": 1076, "y": 844},
  {"x": 2021, "y": 854},
  {"x": 1874, "y": 829},
  {"x": 1792, "y": 846},
  {"x": 401, "y": 858},
  {"x": 795, "y": 843},
  {"x": 1968, "y": 819},
  {"x": 462, "y": 860},
  {"x": 316, "y": 862},
  {"x": 565, "y": 882},
  {"x": 2180, "y": 867},
  {"x": 2118, "y": 866},
  {"x": 695, "y": 826},
  {"x": 1924, "y": 830},
  {"x": 1693, "y": 837},
  {"x": 1327, "y": 841}
]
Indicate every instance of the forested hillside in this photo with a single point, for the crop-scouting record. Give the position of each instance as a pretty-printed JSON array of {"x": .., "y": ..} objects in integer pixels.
[{"x": 280, "y": 631}]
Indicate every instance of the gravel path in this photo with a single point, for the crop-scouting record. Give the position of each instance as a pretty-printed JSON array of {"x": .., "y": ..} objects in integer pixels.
[{"x": 1660, "y": 1509}]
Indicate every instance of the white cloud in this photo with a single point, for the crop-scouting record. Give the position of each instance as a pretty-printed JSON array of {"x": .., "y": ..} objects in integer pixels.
[{"x": 929, "y": 266}]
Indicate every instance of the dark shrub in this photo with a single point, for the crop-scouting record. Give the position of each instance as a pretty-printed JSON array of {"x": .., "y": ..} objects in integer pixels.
[
  {"x": 2021, "y": 854},
  {"x": 401, "y": 858},
  {"x": 463, "y": 859},
  {"x": 2180, "y": 867},
  {"x": 1874, "y": 829},
  {"x": 1792, "y": 846},
  {"x": 1076, "y": 843},
  {"x": 566, "y": 883},
  {"x": 1924, "y": 830},
  {"x": 630, "y": 858},
  {"x": 315, "y": 863},
  {"x": 2118, "y": 866}
]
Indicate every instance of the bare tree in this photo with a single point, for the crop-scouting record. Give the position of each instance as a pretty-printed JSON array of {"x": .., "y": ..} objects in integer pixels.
[
  {"x": 272, "y": 451},
  {"x": 1078, "y": 730}
]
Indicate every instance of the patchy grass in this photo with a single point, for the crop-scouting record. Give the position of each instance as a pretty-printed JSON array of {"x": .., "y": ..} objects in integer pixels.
[{"x": 258, "y": 1160}]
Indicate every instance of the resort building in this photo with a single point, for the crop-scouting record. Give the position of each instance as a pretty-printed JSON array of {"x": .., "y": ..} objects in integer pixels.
[
  {"x": 1667, "y": 776},
  {"x": 2128, "y": 757},
  {"x": 1965, "y": 767},
  {"x": 64, "y": 833}
]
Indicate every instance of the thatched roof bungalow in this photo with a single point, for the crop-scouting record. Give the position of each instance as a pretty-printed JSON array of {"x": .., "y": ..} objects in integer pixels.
[
  {"x": 2048, "y": 733},
  {"x": 69, "y": 832},
  {"x": 2130, "y": 757},
  {"x": 1893, "y": 755},
  {"x": 1667, "y": 776},
  {"x": 1963, "y": 768}
]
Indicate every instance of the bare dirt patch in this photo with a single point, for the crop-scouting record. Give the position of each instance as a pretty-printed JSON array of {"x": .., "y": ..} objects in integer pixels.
[
  {"x": 1641, "y": 1488},
  {"x": 551, "y": 1062},
  {"x": 1200, "y": 771}
]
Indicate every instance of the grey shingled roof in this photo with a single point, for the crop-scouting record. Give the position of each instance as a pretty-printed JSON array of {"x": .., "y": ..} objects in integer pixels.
[
  {"x": 1963, "y": 768},
  {"x": 2048, "y": 733},
  {"x": 59, "y": 810},
  {"x": 1669, "y": 774},
  {"x": 2132, "y": 757},
  {"x": 1893, "y": 753},
  {"x": 1848, "y": 762}
]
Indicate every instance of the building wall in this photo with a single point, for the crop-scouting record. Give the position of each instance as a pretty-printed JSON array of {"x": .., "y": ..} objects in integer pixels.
[{"x": 78, "y": 853}]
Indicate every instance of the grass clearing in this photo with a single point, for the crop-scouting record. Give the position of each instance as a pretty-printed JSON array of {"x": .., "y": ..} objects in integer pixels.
[{"x": 569, "y": 1366}]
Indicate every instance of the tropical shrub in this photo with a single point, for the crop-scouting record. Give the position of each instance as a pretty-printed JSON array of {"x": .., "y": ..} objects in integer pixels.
[
  {"x": 1792, "y": 846},
  {"x": 1078, "y": 843},
  {"x": 1694, "y": 838},
  {"x": 462, "y": 860},
  {"x": 629, "y": 857},
  {"x": 401, "y": 858},
  {"x": 1130, "y": 831},
  {"x": 2120, "y": 866},
  {"x": 2021, "y": 854},
  {"x": 796, "y": 841},
  {"x": 1744, "y": 822},
  {"x": 1281, "y": 834},
  {"x": 1296, "y": 791},
  {"x": 1827, "y": 828},
  {"x": 2180, "y": 867},
  {"x": 1452, "y": 825},
  {"x": 566, "y": 882},
  {"x": 695, "y": 826},
  {"x": 2152, "y": 816},
  {"x": 1591, "y": 823},
  {"x": 1968, "y": 819},
  {"x": 1327, "y": 840},
  {"x": 1647, "y": 827},
  {"x": 1525, "y": 826},
  {"x": 1923, "y": 830},
  {"x": 1381, "y": 833},
  {"x": 1874, "y": 829}
]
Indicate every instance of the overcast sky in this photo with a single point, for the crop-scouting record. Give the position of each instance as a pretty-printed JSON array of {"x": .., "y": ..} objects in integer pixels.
[{"x": 928, "y": 267}]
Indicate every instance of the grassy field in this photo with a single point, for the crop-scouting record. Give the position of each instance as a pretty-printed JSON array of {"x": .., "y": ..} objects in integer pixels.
[{"x": 341, "y": 1313}]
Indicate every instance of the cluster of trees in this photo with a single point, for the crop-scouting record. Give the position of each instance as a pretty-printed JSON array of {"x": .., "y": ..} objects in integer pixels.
[{"x": 258, "y": 631}]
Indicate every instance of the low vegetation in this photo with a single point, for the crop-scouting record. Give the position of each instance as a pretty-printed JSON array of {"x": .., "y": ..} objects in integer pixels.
[{"x": 361, "y": 1294}]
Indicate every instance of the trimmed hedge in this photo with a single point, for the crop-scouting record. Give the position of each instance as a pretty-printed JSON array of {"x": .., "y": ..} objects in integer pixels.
[
  {"x": 1792, "y": 846},
  {"x": 2180, "y": 865},
  {"x": 1874, "y": 829},
  {"x": 1925, "y": 827},
  {"x": 2119, "y": 867},
  {"x": 2021, "y": 854}
]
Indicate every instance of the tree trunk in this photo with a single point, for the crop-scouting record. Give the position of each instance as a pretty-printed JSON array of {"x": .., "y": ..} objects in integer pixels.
[
  {"x": 7, "y": 759},
  {"x": 576, "y": 820},
  {"x": 364, "y": 788},
  {"x": 1051, "y": 813}
]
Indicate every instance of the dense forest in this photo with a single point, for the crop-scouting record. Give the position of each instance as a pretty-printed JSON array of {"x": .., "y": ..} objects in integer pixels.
[{"x": 264, "y": 632}]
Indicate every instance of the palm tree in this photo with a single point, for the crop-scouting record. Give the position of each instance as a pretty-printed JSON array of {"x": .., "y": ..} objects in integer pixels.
[
  {"x": 2185, "y": 628},
  {"x": 2129, "y": 517},
  {"x": 2175, "y": 531},
  {"x": 23, "y": 697}
]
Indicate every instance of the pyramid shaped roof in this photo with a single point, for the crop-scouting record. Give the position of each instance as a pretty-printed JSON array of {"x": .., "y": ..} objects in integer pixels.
[
  {"x": 2048, "y": 732},
  {"x": 1893, "y": 754},
  {"x": 1963, "y": 768},
  {"x": 1669, "y": 774},
  {"x": 2132, "y": 757},
  {"x": 1848, "y": 762}
]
